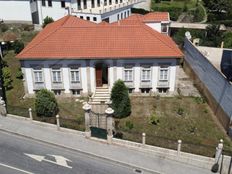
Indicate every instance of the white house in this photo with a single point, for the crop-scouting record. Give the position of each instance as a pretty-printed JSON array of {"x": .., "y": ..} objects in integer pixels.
[
  {"x": 159, "y": 21},
  {"x": 34, "y": 11},
  {"x": 72, "y": 56}
]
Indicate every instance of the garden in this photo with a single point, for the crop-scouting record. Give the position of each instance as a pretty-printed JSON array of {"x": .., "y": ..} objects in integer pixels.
[{"x": 163, "y": 119}]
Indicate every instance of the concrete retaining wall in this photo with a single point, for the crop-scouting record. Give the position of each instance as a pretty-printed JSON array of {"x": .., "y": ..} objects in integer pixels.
[{"x": 213, "y": 85}]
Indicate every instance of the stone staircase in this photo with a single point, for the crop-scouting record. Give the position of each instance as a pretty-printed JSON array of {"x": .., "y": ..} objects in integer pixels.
[{"x": 101, "y": 95}]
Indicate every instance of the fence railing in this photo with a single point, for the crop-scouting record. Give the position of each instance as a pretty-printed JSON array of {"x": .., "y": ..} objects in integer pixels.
[{"x": 164, "y": 142}]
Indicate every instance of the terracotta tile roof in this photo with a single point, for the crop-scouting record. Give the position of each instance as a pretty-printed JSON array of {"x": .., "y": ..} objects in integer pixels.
[
  {"x": 74, "y": 38},
  {"x": 156, "y": 16}
]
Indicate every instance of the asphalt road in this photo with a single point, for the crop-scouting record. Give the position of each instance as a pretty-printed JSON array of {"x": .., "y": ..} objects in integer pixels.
[{"x": 19, "y": 155}]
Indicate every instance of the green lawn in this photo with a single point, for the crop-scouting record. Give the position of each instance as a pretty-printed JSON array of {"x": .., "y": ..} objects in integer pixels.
[
  {"x": 185, "y": 118},
  {"x": 175, "y": 7}
]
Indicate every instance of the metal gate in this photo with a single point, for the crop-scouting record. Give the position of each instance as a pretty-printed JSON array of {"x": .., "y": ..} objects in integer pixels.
[{"x": 98, "y": 125}]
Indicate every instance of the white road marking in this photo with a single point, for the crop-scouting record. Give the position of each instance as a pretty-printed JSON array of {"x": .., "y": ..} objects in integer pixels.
[
  {"x": 15, "y": 168},
  {"x": 60, "y": 160}
]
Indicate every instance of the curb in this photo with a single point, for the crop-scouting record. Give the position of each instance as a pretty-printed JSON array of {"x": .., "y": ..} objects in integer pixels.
[{"x": 84, "y": 152}]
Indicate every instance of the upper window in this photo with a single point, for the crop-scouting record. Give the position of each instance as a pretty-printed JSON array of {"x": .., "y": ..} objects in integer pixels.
[
  {"x": 50, "y": 3},
  {"x": 38, "y": 75},
  {"x": 163, "y": 73},
  {"x": 75, "y": 75},
  {"x": 43, "y": 3},
  {"x": 62, "y": 3},
  {"x": 164, "y": 28},
  {"x": 146, "y": 73},
  {"x": 128, "y": 73},
  {"x": 56, "y": 75}
]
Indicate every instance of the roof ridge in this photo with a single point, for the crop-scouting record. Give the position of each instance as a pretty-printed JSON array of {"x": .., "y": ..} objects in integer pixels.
[
  {"x": 34, "y": 45},
  {"x": 159, "y": 34}
]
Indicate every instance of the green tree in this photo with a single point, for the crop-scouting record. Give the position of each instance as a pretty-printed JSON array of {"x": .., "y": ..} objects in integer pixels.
[
  {"x": 18, "y": 46},
  {"x": 6, "y": 72},
  {"x": 213, "y": 36},
  {"x": 46, "y": 104},
  {"x": 227, "y": 38},
  {"x": 120, "y": 100},
  {"x": 47, "y": 21}
]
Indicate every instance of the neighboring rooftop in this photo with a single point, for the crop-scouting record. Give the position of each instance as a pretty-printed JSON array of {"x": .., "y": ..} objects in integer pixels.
[{"x": 74, "y": 38}]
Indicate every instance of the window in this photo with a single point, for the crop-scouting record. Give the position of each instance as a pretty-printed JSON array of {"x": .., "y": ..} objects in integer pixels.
[
  {"x": 121, "y": 15},
  {"x": 56, "y": 75},
  {"x": 76, "y": 91},
  {"x": 98, "y": 3},
  {"x": 88, "y": 18},
  {"x": 94, "y": 18},
  {"x": 50, "y": 3},
  {"x": 125, "y": 14},
  {"x": 85, "y": 4},
  {"x": 118, "y": 17},
  {"x": 145, "y": 90},
  {"x": 128, "y": 74},
  {"x": 130, "y": 90},
  {"x": 81, "y": 17},
  {"x": 164, "y": 28},
  {"x": 62, "y": 3},
  {"x": 92, "y": 3},
  {"x": 75, "y": 75},
  {"x": 43, "y": 3},
  {"x": 120, "y": 1},
  {"x": 79, "y": 4},
  {"x": 162, "y": 90},
  {"x": 128, "y": 13},
  {"x": 57, "y": 92},
  {"x": 163, "y": 73},
  {"x": 110, "y": 2},
  {"x": 116, "y": 1},
  {"x": 146, "y": 73},
  {"x": 38, "y": 75}
]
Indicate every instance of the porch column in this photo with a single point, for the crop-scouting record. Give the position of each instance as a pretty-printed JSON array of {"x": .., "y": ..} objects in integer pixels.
[{"x": 87, "y": 109}]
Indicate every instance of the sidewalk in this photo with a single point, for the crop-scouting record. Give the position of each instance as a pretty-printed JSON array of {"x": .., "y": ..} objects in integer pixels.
[{"x": 75, "y": 140}]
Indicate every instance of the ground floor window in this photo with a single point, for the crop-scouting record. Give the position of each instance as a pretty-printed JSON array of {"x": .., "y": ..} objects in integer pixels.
[
  {"x": 162, "y": 90},
  {"x": 131, "y": 90},
  {"x": 76, "y": 92},
  {"x": 145, "y": 90},
  {"x": 57, "y": 92}
]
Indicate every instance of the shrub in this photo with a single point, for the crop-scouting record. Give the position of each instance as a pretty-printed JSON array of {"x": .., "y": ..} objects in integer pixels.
[
  {"x": 175, "y": 12},
  {"x": 46, "y": 104},
  {"x": 6, "y": 73},
  {"x": 129, "y": 125},
  {"x": 19, "y": 74},
  {"x": 154, "y": 119},
  {"x": 18, "y": 46},
  {"x": 180, "y": 111},
  {"x": 120, "y": 100},
  {"x": 199, "y": 100},
  {"x": 3, "y": 27},
  {"x": 47, "y": 21}
]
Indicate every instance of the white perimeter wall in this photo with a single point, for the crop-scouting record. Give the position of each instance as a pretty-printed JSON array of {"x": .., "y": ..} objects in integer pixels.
[
  {"x": 115, "y": 71},
  {"x": 18, "y": 10}
]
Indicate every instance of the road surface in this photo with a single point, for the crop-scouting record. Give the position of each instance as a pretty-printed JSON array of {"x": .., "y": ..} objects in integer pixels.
[{"x": 19, "y": 155}]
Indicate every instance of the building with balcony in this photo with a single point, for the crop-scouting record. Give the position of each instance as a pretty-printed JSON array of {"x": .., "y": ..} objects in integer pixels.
[
  {"x": 75, "y": 57},
  {"x": 34, "y": 11}
]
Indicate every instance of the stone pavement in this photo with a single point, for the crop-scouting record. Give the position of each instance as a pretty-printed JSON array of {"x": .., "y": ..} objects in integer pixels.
[{"x": 75, "y": 140}]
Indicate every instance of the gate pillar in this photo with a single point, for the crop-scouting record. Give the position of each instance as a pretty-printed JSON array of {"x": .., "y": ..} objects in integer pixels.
[
  {"x": 109, "y": 124},
  {"x": 87, "y": 109}
]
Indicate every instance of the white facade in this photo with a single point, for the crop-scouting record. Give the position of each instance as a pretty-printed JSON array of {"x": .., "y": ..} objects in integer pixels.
[
  {"x": 161, "y": 27},
  {"x": 140, "y": 75},
  {"x": 15, "y": 11},
  {"x": 34, "y": 11}
]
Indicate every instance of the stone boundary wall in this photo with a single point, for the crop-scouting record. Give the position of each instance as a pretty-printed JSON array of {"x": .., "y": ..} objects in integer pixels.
[{"x": 212, "y": 83}]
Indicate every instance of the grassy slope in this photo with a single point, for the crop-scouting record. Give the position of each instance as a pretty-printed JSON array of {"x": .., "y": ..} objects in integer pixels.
[{"x": 195, "y": 126}]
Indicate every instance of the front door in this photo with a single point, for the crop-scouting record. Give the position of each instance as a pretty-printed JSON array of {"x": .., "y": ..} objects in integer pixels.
[{"x": 99, "y": 76}]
